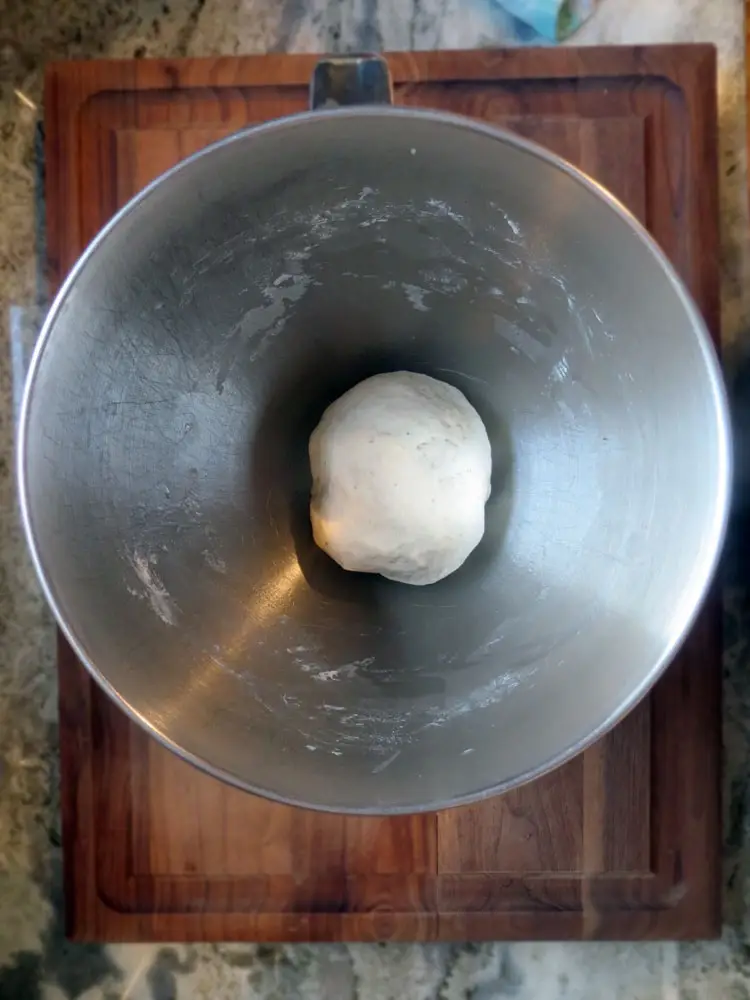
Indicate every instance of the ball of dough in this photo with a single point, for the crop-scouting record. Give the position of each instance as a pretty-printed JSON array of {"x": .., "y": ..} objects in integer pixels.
[{"x": 401, "y": 468}]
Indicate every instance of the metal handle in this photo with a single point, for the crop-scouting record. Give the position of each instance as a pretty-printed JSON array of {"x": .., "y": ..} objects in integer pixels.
[{"x": 345, "y": 80}]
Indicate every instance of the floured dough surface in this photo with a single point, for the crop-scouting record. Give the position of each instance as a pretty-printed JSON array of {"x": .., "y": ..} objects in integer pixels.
[{"x": 401, "y": 468}]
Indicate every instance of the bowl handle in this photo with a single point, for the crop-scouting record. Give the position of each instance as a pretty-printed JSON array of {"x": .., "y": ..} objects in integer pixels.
[{"x": 343, "y": 80}]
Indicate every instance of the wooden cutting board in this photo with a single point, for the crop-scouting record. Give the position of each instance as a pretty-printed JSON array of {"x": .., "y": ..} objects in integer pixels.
[{"x": 622, "y": 842}]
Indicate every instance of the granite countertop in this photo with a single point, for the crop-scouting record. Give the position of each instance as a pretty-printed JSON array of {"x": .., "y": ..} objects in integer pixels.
[{"x": 35, "y": 961}]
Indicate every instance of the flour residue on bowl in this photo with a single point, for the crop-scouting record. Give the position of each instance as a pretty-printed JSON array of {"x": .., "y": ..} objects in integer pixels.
[
  {"x": 379, "y": 768},
  {"x": 214, "y": 561},
  {"x": 485, "y": 696},
  {"x": 320, "y": 671},
  {"x": 447, "y": 272},
  {"x": 452, "y": 267},
  {"x": 416, "y": 295},
  {"x": 560, "y": 370},
  {"x": 263, "y": 322},
  {"x": 153, "y": 590},
  {"x": 281, "y": 290},
  {"x": 381, "y": 731}
]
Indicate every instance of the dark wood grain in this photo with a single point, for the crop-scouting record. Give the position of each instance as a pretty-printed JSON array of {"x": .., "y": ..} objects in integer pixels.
[{"x": 622, "y": 842}]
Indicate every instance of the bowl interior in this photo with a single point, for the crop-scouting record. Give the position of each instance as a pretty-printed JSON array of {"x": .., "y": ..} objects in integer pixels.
[{"x": 165, "y": 477}]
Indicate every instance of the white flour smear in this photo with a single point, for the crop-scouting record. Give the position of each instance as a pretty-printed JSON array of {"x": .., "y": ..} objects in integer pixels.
[
  {"x": 486, "y": 696},
  {"x": 499, "y": 236},
  {"x": 214, "y": 561},
  {"x": 263, "y": 322},
  {"x": 416, "y": 295},
  {"x": 154, "y": 590}
]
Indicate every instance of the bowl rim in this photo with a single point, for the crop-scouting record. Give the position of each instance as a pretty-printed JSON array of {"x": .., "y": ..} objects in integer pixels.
[{"x": 715, "y": 530}]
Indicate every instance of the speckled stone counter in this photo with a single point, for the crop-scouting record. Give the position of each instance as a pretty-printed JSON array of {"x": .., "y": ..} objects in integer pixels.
[{"x": 35, "y": 961}]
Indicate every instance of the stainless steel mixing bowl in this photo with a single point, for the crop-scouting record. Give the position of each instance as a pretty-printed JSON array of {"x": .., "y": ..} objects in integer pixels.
[{"x": 165, "y": 482}]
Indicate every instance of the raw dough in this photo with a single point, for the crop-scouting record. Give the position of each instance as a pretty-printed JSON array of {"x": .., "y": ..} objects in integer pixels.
[{"x": 401, "y": 469}]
